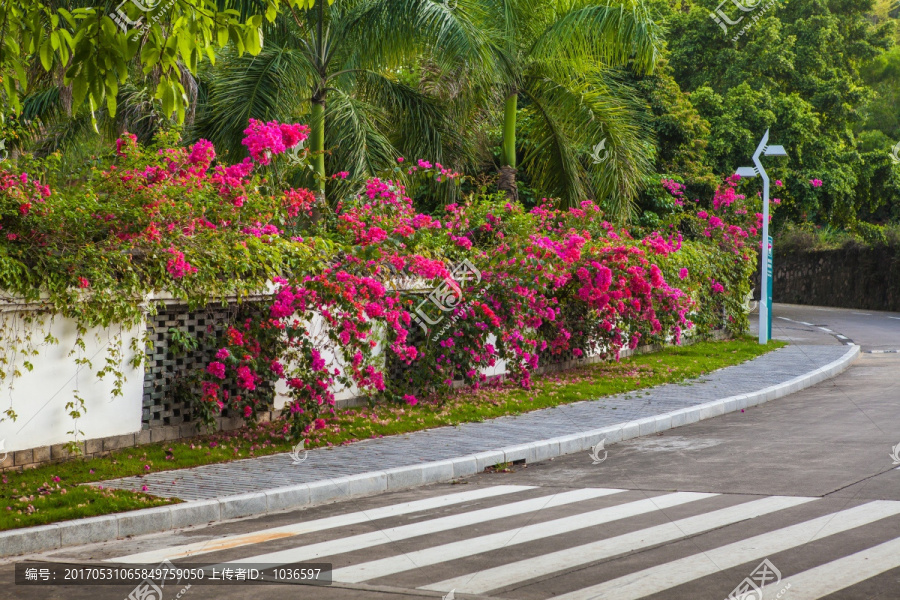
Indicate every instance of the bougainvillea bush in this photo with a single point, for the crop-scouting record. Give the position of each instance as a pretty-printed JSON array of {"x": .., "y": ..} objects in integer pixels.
[
  {"x": 161, "y": 220},
  {"x": 373, "y": 296}
]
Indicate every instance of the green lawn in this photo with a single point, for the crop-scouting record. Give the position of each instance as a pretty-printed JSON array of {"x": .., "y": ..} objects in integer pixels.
[{"x": 51, "y": 493}]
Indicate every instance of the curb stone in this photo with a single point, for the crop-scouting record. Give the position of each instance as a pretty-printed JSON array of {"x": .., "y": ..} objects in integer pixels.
[{"x": 201, "y": 512}]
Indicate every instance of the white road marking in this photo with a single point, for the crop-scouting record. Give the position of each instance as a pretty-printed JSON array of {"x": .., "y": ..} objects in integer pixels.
[
  {"x": 234, "y": 541},
  {"x": 484, "y": 581},
  {"x": 798, "y": 322},
  {"x": 403, "y": 532},
  {"x": 864, "y": 314},
  {"x": 663, "y": 577},
  {"x": 826, "y": 329},
  {"x": 495, "y": 541},
  {"x": 838, "y": 574}
]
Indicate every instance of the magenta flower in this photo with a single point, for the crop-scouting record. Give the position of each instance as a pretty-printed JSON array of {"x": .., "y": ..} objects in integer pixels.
[
  {"x": 216, "y": 369},
  {"x": 246, "y": 378}
]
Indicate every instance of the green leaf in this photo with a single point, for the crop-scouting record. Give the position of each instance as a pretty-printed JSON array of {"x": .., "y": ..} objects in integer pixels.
[
  {"x": 186, "y": 47},
  {"x": 46, "y": 53},
  {"x": 254, "y": 41},
  {"x": 79, "y": 89}
]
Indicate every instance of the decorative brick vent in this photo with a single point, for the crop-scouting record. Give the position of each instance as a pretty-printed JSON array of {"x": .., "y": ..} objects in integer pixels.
[
  {"x": 396, "y": 370},
  {"x": 169, "y": 373}
]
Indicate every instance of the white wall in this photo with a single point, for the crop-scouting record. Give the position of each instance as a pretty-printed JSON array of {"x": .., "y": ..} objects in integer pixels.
[{"x": 39, "y": 397}]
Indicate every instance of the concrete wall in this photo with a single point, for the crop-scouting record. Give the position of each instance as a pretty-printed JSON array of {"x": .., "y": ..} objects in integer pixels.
[
  {"x": 43, "y": 426},
  {"x": 39, "y": 396}
]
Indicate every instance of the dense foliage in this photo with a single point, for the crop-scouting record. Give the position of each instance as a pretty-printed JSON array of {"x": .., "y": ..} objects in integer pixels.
[
  {"x": 822, "y": 76},
  {"x": 567, "y": 100},
  {"x": 507, "y": 284}
]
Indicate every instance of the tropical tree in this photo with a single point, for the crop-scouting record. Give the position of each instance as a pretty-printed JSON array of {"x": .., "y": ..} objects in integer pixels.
[
  {"x": 345, "y": 69},
  {"x": 557, "y": 85},
  {"x": 784, "y": 74},
  {"x": 94, "y": 43}
]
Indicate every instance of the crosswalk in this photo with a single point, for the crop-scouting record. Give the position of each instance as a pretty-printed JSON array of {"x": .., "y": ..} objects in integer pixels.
[{"x": 580, "y": 544}]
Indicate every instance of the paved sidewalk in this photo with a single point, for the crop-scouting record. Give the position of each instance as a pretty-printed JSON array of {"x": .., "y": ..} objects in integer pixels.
[{"x": 278, "y": 471}]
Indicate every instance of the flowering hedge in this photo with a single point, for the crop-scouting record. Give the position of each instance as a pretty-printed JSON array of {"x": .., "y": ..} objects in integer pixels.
[{"x": 523, "y": 287}]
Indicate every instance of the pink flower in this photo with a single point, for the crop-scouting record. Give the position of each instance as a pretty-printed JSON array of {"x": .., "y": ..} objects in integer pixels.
[
  {"x": 129, "y": 140},
  {"x": 247, "y": 412},
  {"x": 202, "y": 153},
  {"x": 178, "y": 267},
  {"x": 410, "y": 399},
  {"x": 816, "y": 182},
  {"x": 277, "y": 368},
  {"x": 223, "y": 353},
  {"x": 216, "y": 369},
  {"x": 246, "y": 378},
  {"x": 318, "y": 363},
  {"x": 682, "y": 273},
  {"x": 83, "y": 282},
  {"x": 144, "y": 488},
  {"x": 265, "y": 140}
]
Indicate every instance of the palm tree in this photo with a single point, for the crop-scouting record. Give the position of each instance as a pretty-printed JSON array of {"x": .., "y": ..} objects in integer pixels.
[
  {"x": 344, "y": 67},
  {"x": 582, "y": 135}
]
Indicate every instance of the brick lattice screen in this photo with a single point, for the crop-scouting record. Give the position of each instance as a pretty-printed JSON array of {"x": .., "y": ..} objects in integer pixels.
[{"x": 169, "y": 369}]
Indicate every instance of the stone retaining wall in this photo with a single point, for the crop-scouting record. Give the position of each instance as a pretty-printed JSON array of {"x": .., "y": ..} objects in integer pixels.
[{"x": 850, "y": 277}]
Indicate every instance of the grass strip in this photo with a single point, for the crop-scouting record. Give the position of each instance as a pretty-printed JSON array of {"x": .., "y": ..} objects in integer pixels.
[{"x": 52, "y": 493}]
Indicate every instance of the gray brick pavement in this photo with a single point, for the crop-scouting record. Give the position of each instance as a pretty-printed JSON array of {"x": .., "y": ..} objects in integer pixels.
[{"x": 267, "y": 472}]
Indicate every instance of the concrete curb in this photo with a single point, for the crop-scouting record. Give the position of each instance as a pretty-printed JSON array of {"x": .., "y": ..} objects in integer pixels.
[{"x": 201, "y": 512}]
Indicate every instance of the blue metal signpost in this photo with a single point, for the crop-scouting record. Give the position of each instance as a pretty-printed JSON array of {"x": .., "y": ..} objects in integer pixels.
[
  {"x": 769, "y": 278},
  {"x": 765, "y": 270}
]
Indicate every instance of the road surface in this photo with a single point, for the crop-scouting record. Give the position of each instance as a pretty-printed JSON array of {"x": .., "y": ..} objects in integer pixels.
[{"x": 796, "y": 499}]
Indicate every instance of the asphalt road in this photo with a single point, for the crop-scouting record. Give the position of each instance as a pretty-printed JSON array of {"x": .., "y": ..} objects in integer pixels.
[{"x": 797, "y": 499}]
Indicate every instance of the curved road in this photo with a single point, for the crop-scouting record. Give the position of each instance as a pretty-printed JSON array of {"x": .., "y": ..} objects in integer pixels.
[
  {"x": 796, "y": 499},
  {"x": 874, "y": 331}
]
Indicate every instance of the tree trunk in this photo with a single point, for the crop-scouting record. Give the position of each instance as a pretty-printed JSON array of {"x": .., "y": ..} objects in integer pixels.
[
  {"x": 317, "y": 139},
  {"x": 507, "y": 181},
  {"x": 317, "y": 146}
]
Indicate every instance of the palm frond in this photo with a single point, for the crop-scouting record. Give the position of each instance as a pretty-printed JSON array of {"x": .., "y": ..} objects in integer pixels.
[
  {"x": 275, "y": 84},
  {"x": 387, "y": 32},
  {"x": 568, "y": 120},
  {"x": 613, "y": 34},
  {"x": 354, "y": 140}
]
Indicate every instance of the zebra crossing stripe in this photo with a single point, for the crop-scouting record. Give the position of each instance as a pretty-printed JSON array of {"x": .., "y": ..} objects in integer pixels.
[
  {"x": 663, "y": 577},
  {"x": 529, "y": 533},
  {"x": 838, "y": 574},
  {"x": 402, "y": 532},
  {"x": 487, "y": 580},
  {"x": 235, "y": 541}
]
